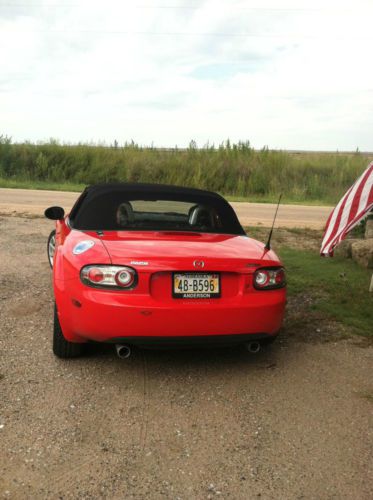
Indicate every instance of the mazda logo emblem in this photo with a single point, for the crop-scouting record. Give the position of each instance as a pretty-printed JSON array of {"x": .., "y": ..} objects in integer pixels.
[{"x": 199, "y": 264}]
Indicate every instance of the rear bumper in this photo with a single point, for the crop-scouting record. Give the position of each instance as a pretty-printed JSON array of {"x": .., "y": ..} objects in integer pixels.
[
  {"x": 194, "y": 341},
  {"x": 105, "y": 316}
]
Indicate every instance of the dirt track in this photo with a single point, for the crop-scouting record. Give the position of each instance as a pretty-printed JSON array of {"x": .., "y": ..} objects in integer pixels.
[
  {"x": 25, "y": 201},
  {"x": 294, "y": 422}
]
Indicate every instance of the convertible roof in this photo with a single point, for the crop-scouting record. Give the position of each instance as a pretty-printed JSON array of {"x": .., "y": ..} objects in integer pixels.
[
  {"x": 98, "y": 196},
  {"x": 144, "y": 191}
]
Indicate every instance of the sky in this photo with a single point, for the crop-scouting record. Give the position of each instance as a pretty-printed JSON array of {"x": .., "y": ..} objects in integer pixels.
[{"x": 289, "y": 74}]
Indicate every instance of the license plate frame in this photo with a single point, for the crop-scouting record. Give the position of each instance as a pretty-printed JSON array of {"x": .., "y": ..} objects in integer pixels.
[{"x": 197, "y": 295}]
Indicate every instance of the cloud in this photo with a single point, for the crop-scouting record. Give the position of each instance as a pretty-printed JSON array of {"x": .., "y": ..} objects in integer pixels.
[{"x": 275, "y": 73}]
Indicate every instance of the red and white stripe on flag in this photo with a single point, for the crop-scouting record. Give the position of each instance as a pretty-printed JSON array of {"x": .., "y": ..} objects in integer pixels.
[{"x": 356, "y": 203}]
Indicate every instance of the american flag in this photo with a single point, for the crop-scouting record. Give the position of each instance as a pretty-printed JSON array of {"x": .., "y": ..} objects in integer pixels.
[{"x": 356, "y": 203}]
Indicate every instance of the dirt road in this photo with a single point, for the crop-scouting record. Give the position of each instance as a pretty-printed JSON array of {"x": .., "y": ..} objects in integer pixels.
[
  {"x": 25, "y": 201},
  {"x": 291, "y": 423}
]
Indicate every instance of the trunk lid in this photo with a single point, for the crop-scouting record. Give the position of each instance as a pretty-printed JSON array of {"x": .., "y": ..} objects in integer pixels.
[{"x": 161, "y": 250}]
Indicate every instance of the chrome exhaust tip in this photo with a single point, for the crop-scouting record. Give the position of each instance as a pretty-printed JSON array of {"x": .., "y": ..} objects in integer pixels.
[
  {"x": 253, "y": 347},
  {"x": 123, "y": 351}
]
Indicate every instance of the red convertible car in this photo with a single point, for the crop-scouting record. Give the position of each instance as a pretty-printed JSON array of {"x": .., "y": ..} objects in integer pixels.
[{"x": 151, "y": 265}]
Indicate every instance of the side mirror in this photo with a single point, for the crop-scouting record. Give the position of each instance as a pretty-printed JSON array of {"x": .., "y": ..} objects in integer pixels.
[{"x": 54, "y": 213}]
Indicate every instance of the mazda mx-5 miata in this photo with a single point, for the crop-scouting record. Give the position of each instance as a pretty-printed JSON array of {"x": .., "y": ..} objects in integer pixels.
[{"x": 150, "y": 265}]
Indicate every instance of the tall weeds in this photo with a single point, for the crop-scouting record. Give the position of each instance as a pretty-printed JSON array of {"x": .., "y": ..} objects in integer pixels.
[{"x": 231, "y": 169}]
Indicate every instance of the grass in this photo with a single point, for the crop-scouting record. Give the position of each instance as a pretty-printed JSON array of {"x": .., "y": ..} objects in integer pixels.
[
  {"x": 338, "y": 287},
  {"x": 235, "y": 170},
  {"x": 50, "y": 186},
  {"x": 273, "y": 199}
]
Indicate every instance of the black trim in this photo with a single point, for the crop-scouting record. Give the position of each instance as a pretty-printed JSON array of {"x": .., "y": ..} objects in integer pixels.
[{"x": 197, "y": 341}]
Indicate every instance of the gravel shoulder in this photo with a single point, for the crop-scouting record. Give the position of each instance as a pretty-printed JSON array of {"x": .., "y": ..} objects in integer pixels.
[{"x": 292, "y": 422}]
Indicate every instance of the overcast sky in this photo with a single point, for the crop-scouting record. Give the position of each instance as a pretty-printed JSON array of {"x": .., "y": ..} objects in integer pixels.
[{"x": 291, "y": 74}]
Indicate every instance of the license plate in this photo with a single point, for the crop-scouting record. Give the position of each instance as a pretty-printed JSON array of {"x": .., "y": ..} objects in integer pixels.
[{"x": 196, "y": 286}]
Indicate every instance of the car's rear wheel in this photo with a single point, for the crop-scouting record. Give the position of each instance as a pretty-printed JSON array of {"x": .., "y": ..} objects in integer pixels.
[
  {"x": 51, "y": 247},
  {"x": 62, "y": 348}
]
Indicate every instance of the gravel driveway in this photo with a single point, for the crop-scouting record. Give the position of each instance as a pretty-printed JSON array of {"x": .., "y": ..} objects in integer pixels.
[{"x": 290, "y": 423}]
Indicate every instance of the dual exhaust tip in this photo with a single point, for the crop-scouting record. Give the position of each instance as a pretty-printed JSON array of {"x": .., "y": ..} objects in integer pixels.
[
  {"x": 124, "y": 351},
  {"x": 253, "y": 347}
]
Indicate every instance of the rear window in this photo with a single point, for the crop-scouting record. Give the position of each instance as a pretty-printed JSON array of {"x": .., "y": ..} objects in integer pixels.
[
  {"x": 162, "y": 215},
  {"x": 161, "y": 206}
]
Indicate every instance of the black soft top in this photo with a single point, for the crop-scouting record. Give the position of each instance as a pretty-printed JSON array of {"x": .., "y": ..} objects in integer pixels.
[{"x": 97, "y": 201}]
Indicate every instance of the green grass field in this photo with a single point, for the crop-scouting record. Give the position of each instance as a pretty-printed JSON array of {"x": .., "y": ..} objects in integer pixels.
[
  {"x": 234, "y": 170},
  {"x": 337, "y": 287}
]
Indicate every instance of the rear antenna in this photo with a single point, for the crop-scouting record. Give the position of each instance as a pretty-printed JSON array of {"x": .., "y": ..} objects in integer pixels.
[{"x": 268, "y": 244}]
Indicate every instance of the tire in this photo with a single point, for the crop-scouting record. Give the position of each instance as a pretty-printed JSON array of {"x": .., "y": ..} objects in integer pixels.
[
  {"x": 61, "y": 347},
  {"x": 51, "y": 247}
]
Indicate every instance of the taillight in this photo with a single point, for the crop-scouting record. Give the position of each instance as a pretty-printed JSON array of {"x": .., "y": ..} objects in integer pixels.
[
  {"x": 95, "y": 275},
  {"x": 125, "y": 277},
  {"x": 109, "y": 277},
  {"x": 269, "y": 278}
]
